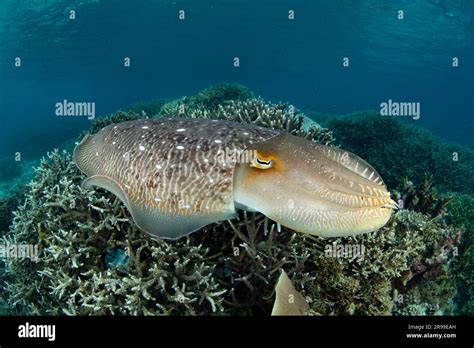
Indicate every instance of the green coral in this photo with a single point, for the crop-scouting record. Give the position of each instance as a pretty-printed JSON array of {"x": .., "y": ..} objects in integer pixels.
[
  {"x": 464, "y": 268},
  {"x": 461, "y": 213},
  {"x": 461, "y": 210},
  {"x": 7, "y": 205}
]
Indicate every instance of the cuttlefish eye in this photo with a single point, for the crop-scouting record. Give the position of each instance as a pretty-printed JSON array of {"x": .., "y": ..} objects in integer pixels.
[{"x": 261, "y": 162}]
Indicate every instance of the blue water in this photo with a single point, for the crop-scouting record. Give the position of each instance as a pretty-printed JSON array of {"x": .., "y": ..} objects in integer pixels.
[{"x": 299, "y": 61}]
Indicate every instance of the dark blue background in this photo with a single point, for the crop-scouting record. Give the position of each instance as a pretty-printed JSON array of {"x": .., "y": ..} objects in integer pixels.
[{"x": 298, "y": 61}]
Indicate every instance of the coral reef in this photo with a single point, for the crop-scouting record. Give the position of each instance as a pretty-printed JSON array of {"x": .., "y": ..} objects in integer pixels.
[
  {"x": 422, "y": 198},
  {"x": 231, "y": 266},
  {"x": 74, "y": 229},
  {"x": 7, "y": 205},
  {"x": 151, "y": 108},
  {"x": 121, "y": 116},
  {"x": 461, "y": 210},
  {"x": 428, "y": 287},
  {"x": 249, "y": 253},
  {"x": 398, "y": 150},
  {"x": 281, "y": 116},
  {"x": 230, "y": 102},
  {"x": 369, "y": 287},
  {"x": 464, "y": 268},
  {"x": 12, "y": 192},
  {"x": 461, "y": 214},
  {"x": 106, "y": 266},
  {"x": 209, "y": 99},
  {"x": 56, "y": 187}
]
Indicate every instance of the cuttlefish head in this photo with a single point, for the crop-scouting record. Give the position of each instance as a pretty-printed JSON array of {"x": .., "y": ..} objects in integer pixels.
[{"x": 312, "y": 188}]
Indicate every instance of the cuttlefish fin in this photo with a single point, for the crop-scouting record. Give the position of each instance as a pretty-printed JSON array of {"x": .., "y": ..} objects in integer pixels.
[
  {"x": 107, "y": 183},
  {"x": 155, "y": 223},
  {"x": 288, "y": 300},
  {"x": 172, "y": 225}
]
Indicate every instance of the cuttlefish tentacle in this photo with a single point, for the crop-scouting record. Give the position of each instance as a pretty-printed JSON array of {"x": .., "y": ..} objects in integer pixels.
[{"x": 178, "y": 175}]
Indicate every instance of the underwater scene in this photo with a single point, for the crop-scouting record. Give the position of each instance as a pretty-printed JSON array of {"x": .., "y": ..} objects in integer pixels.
[{"x": 237, "y": 158}]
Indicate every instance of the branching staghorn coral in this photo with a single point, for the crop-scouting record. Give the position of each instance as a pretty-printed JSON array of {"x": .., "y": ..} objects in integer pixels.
[
  {"x": 74, "y": 228},
  {"x": 209, "y": 99},
  {"x": 235, "y": 102},
  {"x": 281, "y": 116},
  {"x": 7, "y": 205},
  {"x": 249, "y": 254}
]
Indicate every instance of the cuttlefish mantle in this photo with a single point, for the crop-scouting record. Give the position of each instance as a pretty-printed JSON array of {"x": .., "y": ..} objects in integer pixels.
[{"x": 178, "y": 175}]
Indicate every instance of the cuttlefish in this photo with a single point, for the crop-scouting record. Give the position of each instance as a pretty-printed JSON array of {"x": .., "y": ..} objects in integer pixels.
[{"x": 178, "y": 175}]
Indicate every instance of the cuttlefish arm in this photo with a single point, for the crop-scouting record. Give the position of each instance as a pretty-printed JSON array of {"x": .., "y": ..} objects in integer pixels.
[{"x": 312, "y": 188}]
